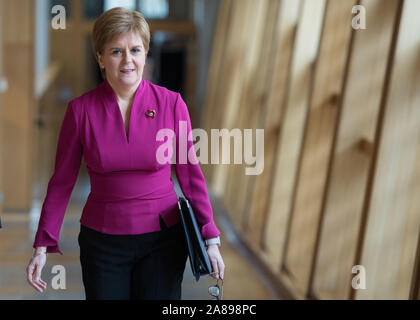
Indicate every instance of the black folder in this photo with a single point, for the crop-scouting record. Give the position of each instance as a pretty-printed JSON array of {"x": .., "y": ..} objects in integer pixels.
[{"x": 200, "y": 263}]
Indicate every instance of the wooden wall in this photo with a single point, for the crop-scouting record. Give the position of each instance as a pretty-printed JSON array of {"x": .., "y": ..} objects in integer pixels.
[
  {"x": 17, "y": 122},
  {"x": 340, "y": 109},
  {"x": 1, "y": 108}
]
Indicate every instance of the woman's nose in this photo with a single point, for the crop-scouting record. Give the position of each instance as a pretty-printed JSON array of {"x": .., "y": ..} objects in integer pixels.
[{"x": 127, "y": 55}]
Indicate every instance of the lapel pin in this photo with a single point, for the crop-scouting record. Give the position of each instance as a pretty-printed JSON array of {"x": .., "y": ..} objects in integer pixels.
[{"x": 150, "y": 113}]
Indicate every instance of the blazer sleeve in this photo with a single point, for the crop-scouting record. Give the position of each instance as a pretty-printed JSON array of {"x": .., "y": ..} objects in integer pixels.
[
  {"x": 67, "y": 165},
  {"x": 189, "y": 174}
]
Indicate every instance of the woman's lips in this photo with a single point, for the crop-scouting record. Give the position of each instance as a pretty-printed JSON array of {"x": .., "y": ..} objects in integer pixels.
[{"x": 127, "y": 71}]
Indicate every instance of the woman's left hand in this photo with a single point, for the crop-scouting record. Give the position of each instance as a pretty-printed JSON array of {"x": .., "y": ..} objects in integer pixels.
[{"x": 216, "y": 261}]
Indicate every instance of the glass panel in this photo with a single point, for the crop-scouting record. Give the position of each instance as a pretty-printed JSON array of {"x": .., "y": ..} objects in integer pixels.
[
  {"x": 127, "y": 4},
  {"x": 154, "y": 9}
]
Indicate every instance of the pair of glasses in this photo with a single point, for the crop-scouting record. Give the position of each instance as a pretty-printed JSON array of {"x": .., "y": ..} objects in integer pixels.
[{"x": 215, "y": 291}]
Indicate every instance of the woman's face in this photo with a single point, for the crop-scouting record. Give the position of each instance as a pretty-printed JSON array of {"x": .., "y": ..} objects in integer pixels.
[{"x": 123, "y": 59}]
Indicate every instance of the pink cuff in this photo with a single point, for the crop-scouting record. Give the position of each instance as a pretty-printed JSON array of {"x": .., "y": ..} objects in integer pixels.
[
  {"x": 44, "y": 239},
  {"x": 209, "y": 230}
]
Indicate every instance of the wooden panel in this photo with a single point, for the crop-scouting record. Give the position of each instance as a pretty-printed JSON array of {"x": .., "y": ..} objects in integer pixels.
[
  {"x": 18, "y": 21},
  {"x": 231, "y": 83},
  {"x": 253, "y": 118},
  {"x": 215, "y": 72},
  {"x": 251, "y": 103},
  {"x": 18, "y": 104},
  {"x": 340, "y": 182},
  {"x": 61, "y": 51},
  {"x": 275, "y": 224},
  {"x": 352, "y": 156},
  {"x": 304, "y": 55},
  {"x": 50, "y": 114},
  {"x": 255, "y": 70},
  {"x": 393, "y": 216},
  {"x": 1, "y": 109},
  {"x": 78, "y": 48},
  {"x": 256, "y": 195},
  {"x": 321, "y": 124}
]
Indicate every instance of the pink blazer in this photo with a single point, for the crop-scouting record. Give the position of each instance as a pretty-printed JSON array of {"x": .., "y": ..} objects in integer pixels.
[{"x": 129, "y": 187}]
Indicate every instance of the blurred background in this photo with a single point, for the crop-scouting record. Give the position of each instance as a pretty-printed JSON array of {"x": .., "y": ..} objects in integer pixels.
[{"x": 335, "y": 84}]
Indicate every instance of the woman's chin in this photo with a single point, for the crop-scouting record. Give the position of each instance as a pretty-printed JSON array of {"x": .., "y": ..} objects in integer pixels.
[{"x": 128, "y": 81}]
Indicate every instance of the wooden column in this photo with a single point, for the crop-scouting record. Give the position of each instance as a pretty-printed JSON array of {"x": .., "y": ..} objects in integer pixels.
[
  {"x": 78, "y": 47},
  {"x": 393, "y": 209},
  {"x": 290, "y": 142},
  {"x": 321, "y": 124},
  {"x": 215, "y": 72},
  {"x": 320, "y": 127},
  {"x": 352, "y": 154},
  {"x": 1, "y": 109},
  {"x": 275, "y": 224},
  {"x": 340, "y": 109},
  {"x": 253, "y": 200},
  {"x": 250, "y": 103},
  {"x": 18, "y": 103},
  {"x": 231, "y": 83}
]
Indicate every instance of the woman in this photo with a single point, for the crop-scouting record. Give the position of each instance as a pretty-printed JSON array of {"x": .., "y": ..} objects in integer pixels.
[{"x": 131, "y": 238}]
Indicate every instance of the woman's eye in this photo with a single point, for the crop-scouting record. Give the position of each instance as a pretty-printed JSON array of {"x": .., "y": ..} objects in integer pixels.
[
  {"x": 116, "y": 51},
  {"x": 136, "y": 50}
]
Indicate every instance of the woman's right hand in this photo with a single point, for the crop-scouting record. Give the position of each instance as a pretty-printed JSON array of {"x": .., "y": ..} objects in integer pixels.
[{"x": 34, "y": 269}]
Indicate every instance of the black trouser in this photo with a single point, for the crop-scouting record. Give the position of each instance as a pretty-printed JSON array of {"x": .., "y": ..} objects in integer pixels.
[{"x": 144, "y": 266}]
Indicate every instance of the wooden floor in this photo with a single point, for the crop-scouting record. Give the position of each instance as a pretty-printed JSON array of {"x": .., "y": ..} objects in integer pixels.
[{"x": 242, "y": 280}]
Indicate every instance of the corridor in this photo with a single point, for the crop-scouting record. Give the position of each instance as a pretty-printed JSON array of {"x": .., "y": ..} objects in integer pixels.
[{"x": 304, "y": 116}]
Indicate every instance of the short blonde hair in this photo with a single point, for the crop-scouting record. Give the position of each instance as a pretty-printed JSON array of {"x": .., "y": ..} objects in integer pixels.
[{"x": 116, "y": 22}]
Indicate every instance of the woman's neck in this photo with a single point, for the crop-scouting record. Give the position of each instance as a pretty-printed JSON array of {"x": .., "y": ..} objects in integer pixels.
[{"x": 124, "y": 94}]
